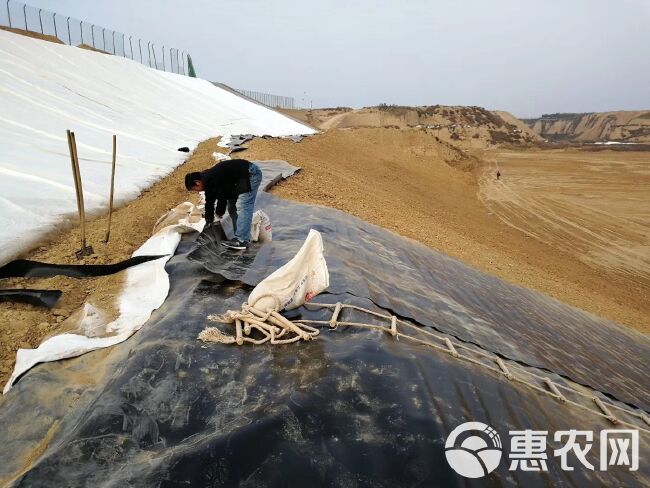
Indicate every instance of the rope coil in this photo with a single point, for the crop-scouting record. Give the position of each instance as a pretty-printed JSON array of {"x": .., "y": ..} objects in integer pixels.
[{"x": 272, "y": 326}]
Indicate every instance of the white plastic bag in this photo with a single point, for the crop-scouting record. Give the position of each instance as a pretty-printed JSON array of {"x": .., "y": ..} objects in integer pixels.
[
  {"x": 261, "y": 230},
  {"x": 297, "y": 281}
]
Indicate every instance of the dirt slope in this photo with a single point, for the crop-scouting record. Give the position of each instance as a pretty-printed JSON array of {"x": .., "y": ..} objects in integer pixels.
[
  {"x": 474, "y": 127},
  {"x": 624, "y": 126},
  {"x": 407, "y": 181}
]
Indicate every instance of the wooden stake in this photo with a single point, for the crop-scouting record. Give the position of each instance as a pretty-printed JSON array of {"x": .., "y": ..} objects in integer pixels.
[
  {"x": 110, "y": 201},
  {"x": 74, "y": 171},
  {"x": 74, "y": 158}
]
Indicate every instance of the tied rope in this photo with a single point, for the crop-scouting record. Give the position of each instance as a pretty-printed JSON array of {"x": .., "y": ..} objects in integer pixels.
[{"x": 272, "y": 326}]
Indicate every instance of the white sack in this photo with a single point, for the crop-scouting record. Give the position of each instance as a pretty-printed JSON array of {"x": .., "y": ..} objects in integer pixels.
[
  {"x": 261, "y": 229},
  {"x": 297, "y": 281}
]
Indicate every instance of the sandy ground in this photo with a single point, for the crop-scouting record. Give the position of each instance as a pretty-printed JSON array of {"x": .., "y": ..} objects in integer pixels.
[
  {"x": 26, "y": 325},
  {"x": 595, "y": 206},
  {"x": 406, "y": 181}
]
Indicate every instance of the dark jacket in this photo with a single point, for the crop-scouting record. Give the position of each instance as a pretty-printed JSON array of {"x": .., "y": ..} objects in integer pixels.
[{"x": 224, "y": 181}]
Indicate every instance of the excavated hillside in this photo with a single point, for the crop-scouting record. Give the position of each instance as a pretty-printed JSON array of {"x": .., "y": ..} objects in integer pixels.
[
  {"x": 475, "y": 126},
  {"x": 624, "y": 126}
]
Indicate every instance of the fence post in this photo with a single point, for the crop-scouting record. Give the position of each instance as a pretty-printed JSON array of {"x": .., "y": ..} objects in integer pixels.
[
  {"x": 8, "y": 14},
  {"x": 92, "y": 31},
  {"x": 69, "y": 38},
  {"x": 153, "y": 48},
  {"x": 178, "y": 65},
  {"x": 183, "y": 59},
  {"x": 25, "y": 15},
  {"x": 149, "y": 52},
  {"x": 103, "y": 39},
  {"x": 131, "y": 46},
  {"x": 81, "y": 30},
  {"x": 40, "y": 20},
  {"x": 56, "y": 34},
  {"x": 140, "y": 46},
  {"x": 113, "y": 43},
  {"x": 163, "y": 51}
]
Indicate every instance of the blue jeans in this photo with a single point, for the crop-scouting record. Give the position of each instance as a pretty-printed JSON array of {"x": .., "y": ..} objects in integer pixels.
[{"x": 241, "y": 209}]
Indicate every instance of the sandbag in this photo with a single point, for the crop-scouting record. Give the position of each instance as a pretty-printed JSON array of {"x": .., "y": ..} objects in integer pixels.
[
  {"x": 297, "y": 281},
  {"x": 261, "y": 229}
]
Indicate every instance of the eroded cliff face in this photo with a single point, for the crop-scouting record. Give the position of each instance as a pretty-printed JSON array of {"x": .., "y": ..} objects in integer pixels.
[{"x": 624, "y": 126}]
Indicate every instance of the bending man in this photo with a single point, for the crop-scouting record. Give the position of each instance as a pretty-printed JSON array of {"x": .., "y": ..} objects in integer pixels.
[{"x": 231, "y": 184}]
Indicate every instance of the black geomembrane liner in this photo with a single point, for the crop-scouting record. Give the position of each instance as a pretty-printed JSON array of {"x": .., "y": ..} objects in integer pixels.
[{"x": 355, "y": 407}]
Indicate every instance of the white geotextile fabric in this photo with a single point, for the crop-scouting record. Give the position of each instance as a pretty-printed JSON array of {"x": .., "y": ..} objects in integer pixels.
[
  {"x": 145, "y": 289},
  {"x": 46, "y": 88}
]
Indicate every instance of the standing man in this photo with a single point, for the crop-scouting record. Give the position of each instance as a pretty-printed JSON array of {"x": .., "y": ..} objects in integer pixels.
[{"x": 232, "y": 183}]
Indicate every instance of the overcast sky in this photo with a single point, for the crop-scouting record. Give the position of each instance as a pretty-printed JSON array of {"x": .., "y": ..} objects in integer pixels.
[{"x": 525, "y": 56}]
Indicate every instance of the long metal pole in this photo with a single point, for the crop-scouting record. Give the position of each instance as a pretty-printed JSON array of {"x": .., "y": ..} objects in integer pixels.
[
  {"x": 81, "y": 30},
  {"x": 123, "y": 47},
  {"x": 183, "y": 59},
  {"x": 153, "y": 48},
  {"x": 163, "y": 51},
  {"x": 25, "y": 15},
  {"x": 40, "y": 20},
  {"x": 149, "y": 52},
  {"x": 113, "y": 42},
  {"x": 69, "y": 38},
  {"x": 103, "y": 39},
  {"x": 56, "y": 34},
  {"x": 110, "y": 201},
  {"x": 140, "y": 46},
  {"x": 131, "y": 46},
  {"x": 8, "y": 14},
  {"x": 92, "y": 31}
]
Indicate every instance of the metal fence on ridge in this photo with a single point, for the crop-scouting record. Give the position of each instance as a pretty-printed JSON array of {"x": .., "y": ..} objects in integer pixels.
[
  {"x": 273, "y": 101},
  {"x": 75, "y": 32}
]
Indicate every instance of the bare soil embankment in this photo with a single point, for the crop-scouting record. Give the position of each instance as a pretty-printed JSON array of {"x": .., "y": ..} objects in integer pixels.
[{"x": 409, "y": 182}]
